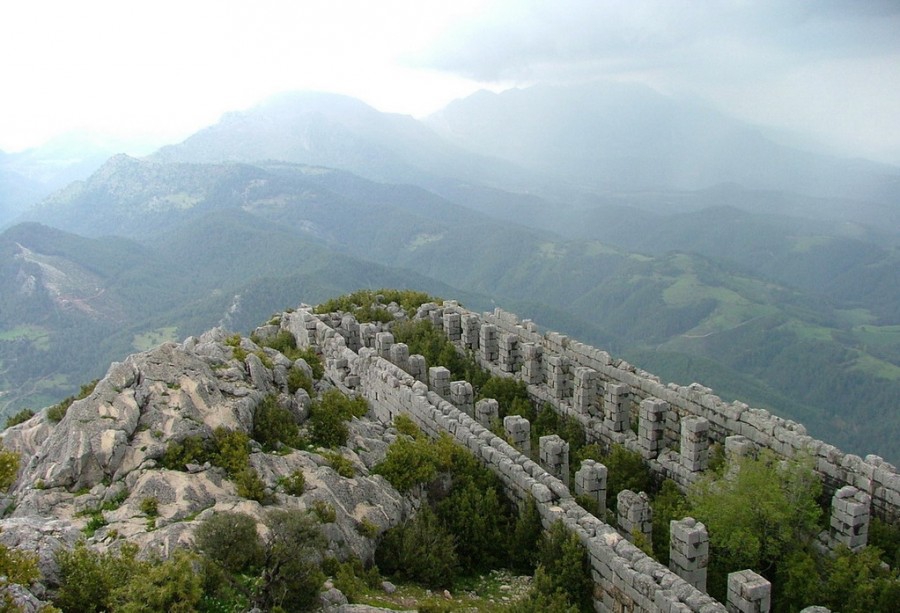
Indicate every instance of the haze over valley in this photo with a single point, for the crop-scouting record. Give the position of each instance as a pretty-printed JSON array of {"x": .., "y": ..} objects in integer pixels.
[{"x": 606, "y": 220}]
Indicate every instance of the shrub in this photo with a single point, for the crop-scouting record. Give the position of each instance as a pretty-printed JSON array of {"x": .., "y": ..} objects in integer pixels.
[
  {"x": 9, "y": 468},
  {"x": 408, "y": 463},
  {"x": 419, "y": 550},
  {"x": 526, "y": 534},
  {"x": 190, "y": 450},
  {"x": 667, "y": 504},
  {"x": 297, "y": 379},
  {"x": 231, "y": 541},
  {"x": 405, "y": 425},
  {"x": 367, "y": 529},
  {"x": 170, "y": 586},
  {"x": 18, "y": 566},
  {"x": 95, "y": 522},
  {"x": 328, "y": 417},
  {"x": 248, "y": 485},
  {"x": 343, "y": 466},
  {"x": 352, "y": 577},
  {"x": 231, "y": 450},
  {"x": 510, "y": 394},
  {"x": 323, "y": 511},
  {"x": 20, "y": 417},
  {"x": 58, "y": 411},
  {"x": 150, "y": 506},
  {"x": 273, "y": 425},
  {"x": 564, "y": 567},
  {"x": 87, "y": 578},
  {"x": 309, "y": 355},
  {"x": 293, "y": 484}
]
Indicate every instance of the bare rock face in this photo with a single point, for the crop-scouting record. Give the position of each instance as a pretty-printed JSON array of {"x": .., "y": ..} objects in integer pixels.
[{"x": 102, "y": 463}]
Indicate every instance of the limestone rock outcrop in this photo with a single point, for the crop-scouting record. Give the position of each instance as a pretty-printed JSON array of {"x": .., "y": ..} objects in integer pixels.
[{"x": 104, "y": 459}]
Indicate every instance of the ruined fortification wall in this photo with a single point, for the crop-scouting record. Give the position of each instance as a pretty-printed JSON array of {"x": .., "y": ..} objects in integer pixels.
[
  {"x": 787, "y": 438},
  {"x": 625, "y": 578}
]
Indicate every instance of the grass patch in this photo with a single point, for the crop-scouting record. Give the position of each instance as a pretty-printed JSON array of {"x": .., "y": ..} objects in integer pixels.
[
  {"x": 39, "y": 336},
  {"x": 152, "y": 338},
  {"x": 489, "y": 593}
]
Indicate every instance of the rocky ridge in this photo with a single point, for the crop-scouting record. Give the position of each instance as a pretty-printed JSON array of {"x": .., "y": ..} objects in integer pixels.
[{"x": 87, "y": 476}]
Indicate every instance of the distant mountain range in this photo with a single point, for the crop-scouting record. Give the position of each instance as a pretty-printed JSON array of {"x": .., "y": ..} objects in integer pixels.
[{"x": 679, "y": 243}]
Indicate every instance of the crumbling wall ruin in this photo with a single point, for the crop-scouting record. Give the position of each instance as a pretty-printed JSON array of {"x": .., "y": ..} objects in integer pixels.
[{"x": 608, "y": 398}]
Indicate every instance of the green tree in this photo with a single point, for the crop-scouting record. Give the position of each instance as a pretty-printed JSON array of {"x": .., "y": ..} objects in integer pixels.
[
  {"x": 420, "y": 550},
  {"x": 526, "y": 534},
  {"x": 627, "y": 470},
  {"x": 328, "y": 417},
  {"x": 278, "y": 570},
  {"x": 88, "y": 578},
  {"x": 562, "y": 581},
  {"x": 756, "y": 513},
  {"x": 231, "y": 541},
  {"x": 291, "y": 576},
  {"x": 668, "y": 504},
  {"x": 273, "y": 425}
]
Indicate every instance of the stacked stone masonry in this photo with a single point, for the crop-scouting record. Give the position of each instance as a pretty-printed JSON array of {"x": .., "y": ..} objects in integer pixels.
[
  {"x": 621, "y": 387},
  {"x": 748, "y": 592},
  {"x": 850, "y": 517},
  {"x": 635, "y": 515},
  {"x": 551, "y": 365},
  {"x": 554, "y": 456},
  {"x": 689, "y": 551},
  {"x": 625, "y": 578}
]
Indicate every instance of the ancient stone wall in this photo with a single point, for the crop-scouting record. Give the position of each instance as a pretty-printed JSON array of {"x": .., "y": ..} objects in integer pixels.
[
  {"x": 599, "y": 405},
  {"x": 614, "y": 402},
  {"x": 625, "y": 578}
]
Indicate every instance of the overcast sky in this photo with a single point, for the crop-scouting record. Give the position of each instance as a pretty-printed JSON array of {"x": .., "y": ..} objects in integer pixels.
[{"x": 829, "y": 71}]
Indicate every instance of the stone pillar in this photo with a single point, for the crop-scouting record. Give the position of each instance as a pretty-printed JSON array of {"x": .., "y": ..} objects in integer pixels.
[
  {"x": 615, "y": 401},
  {"x": 436, "y": 316},
  {"x": 350, "y": 328},
  {"x": 590, "y": 480},
  {"x": 400, "y": 355},
  {"x": 748, "y": 593},
  {"x": 557, "y": 375},
  {"x": 508, "y": 355},
  {"x": 554, "y": 457},
  {"x": 470, "y": 330},
  {"x": 439, "y": 381},
  {"x": 416, "y": 367},
  {"x": 689, "y": 551},
  {"x": 462, "y": 396},
  {"x": 488, "y": 342},
  {"x": 532, "y": 372},
  {"x": 367, "y": 333},
  {"x": 850, "y": 517},
  {"x": 585, "y": 393},
  {"x": 309, "y": 330},
  {"x": 635, "y": 515},
  {"x": 383, "y": 342},
  {"x": 518, "y": 431},
  {"x": 651, "y": 427},
  {"x": 486, "y": 411},
  {"x": 453, "y": 326},
  {"x": 694, "y": 443}
]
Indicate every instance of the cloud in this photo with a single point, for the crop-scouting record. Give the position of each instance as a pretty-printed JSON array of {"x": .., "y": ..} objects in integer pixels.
[
  {"x": 541, "y": 40},
  {"x": 825, "y": 68}
]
